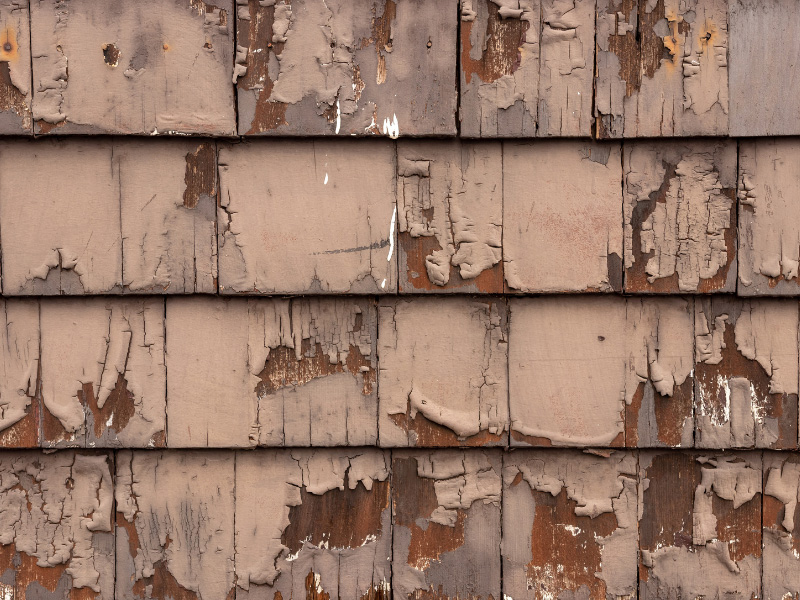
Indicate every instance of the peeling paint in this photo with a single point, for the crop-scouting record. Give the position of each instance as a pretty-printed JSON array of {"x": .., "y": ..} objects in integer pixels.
[
  {"x": 168, "y": 200},
  {"x": 304, "y": 372},
  {"x": 325, "y": 529},
  {"x": 55, "y": 525},
  {"x": 700, "y": 525},
  {"x": 570, "y": 525},
  {"x": 769, "y": 238},
  {"x": 304, "y": 67},
  {"x": 746, "y": 374},
  {"x": 680, "y": 217},
  {"x": 175, "y": 540},
  {"x": 446, "y": 538},
  {"x": 20, "y": 404},
  {"x": 426, "y": 398},
  {"x": 171, "y": 67},
  {"x": 15, "y": 68},
  {"x": 115, "y": 371},
  {"x": 662, "y": 68},
  {"x": 526, "y": 68},
  {"x": 450, "y": 228},
  {"x": 65, "y": 237}
]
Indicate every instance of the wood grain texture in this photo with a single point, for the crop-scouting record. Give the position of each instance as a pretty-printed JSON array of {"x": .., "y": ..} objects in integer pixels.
[
  {"x": 526, "y": 68},
  {"x": 699, "y": 525},
  {"x": 746, "y": 373},
  {"x": 346, "y": 67},
  {"x": 15, "y": 68},
  {"x": 662, "y": 68},
  {"x": 446, "y": 507},
  {"x": 569, "y": 525}
]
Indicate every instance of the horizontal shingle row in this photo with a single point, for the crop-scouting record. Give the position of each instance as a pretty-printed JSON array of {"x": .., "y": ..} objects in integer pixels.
[
  {"x": 366, "y": 523},
  {"x": 355, "y": 371},
  {"x": 522, "y": 68},
  {"x": 112, "y": 215}
]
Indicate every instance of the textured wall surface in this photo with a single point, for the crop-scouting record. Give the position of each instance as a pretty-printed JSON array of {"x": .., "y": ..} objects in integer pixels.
[{"x": 299, "y": 305}]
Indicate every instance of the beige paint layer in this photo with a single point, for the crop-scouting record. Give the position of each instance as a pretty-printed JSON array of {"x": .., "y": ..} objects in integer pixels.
[
  {"x": 19, "y": 360},
  {"x": 307, "y": 217},
  {"x": 168, "y": 214},
  {"x": 163, "y": 67},
  {"x": 561, "y": 217},
  {"x": 445, "y": 362},
  {"x": 60, "y": 234},
  {"x": 271, "y": 372},
  {"x": 451, "y": 192},
  {"x": 175, "y": 514},
  {"x": 89, "y": 344},
  {"x": 350, "y": 565},
  {"x": 769, "y": 232}
]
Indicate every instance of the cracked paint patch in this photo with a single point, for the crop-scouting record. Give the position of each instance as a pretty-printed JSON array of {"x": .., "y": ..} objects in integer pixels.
[
  {"x": 435, "y": 395},
  {"x": 56, "y": 539},
  {"x": 173, "y": 71},
  {"x": 662, "y": 68},
  {"x": 526, "y": 68},
  {"x": 304, "y": 372},
  {"x": 336, "y": 67},
  {"x": 324, "y": 530},
  {"x": 446, "y": 537},
  {"x": 680, "y": 217},
  {"x": 570, "y": 525},
  {"x": 174, "y": 525},
  {"x": 103, "y": 372},
  {"x": 343, "y": 245},
  {"x": 746, "y": 374},
  {"x": 574, "y": 243},
  {"x": 700, "y": 525},
  {"x": 450, "y": 218}
]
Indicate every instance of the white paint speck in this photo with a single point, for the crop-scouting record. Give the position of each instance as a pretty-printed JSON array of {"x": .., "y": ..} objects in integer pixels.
[
  {"x": 391, "y": 128},
  {"x": 391, "y": 234},
  {"x": 326, "y": 180},
  {"x": 338, "y": 116},
  {"x": 391, "y": 242},
  {"x": 6, "y": 592},
  {"x": 317, "y": 583},
  {"x": 110, "y": 420},
  {"x": 722, "y": 381}
]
